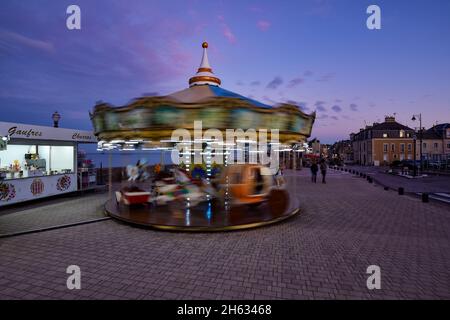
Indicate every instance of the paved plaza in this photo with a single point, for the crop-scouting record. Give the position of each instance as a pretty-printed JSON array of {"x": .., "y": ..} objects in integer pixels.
[
  {"x": 345, "y": 226},
  {"x": 58, "y": 212},
  {"x": 428, "y": 183}
]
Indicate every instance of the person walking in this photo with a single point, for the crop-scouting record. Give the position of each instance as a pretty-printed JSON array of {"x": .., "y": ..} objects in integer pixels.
[
  {"x": 323, "y": 170},
  {"x": 314, "y": 169}
]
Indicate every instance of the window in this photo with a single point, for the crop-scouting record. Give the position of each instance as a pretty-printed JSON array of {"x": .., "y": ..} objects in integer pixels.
[
  {"x": 392, "y": 147},
  {"x": 402, "y": 133},
  {"x": 385, "y": 147},
  {"x": 22, "y": 161},
  {"x": 385, "y": 135},
  {"x": 435, "y": 145},
  {"x": 409, "y": 147},
  {"x": 424, "y": 145},
  {"x": 402, "y": 147},
  {"x": 448, "y": 145}
]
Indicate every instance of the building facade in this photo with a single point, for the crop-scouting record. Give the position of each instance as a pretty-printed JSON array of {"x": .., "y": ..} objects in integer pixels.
[
  {"x": 341, "y": 152},
  {"x": 435, "y": 144},
  {"x": 383, "y": 143}
]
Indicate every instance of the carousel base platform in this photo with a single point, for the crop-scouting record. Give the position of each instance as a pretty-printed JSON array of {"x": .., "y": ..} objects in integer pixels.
[{"x": 207, "y": 216}]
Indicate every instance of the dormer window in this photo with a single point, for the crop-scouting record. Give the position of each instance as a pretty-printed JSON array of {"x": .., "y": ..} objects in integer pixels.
[
  {"x": 402, "y": 133},
  {"x": 384, "y": 135}
]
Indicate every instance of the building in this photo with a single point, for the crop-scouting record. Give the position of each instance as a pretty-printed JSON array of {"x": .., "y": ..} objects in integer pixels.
[
  {"x": 341, "y": 152},
  {"x": 383, "y": 143},
  {"x": 39, "y": 161},
  {"x": 435, "y": 144},
  {"x": 315, "y": 147}
]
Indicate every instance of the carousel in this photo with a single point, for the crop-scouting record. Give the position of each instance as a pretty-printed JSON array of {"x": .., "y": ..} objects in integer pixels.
[{"x": 213, "y": 183}]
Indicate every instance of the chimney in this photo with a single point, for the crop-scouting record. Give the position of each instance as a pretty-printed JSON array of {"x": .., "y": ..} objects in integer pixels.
[{"x": 389, "y": 119}]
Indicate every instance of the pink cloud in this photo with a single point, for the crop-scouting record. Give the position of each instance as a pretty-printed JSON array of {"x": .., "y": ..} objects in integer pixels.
[
  {"x": 263, "y": 25},
  {"x": 226, "y": 30},
  {"x": 19, "y": 39}
]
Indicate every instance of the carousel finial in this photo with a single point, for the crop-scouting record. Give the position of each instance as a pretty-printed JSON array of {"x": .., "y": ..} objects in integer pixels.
[{"x": 204, "y": 73}]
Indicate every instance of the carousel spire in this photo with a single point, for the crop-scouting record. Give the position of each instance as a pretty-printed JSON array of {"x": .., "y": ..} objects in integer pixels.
[{"x": 204, "y": 73}]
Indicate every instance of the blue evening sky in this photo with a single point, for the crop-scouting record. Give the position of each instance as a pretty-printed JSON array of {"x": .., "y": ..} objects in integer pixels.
[{"x": 316, "y": 53}]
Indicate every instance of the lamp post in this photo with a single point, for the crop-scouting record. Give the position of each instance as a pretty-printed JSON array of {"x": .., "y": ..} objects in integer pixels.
[
  {"x": 414, "y": 165},
  {"x": 56, "y": 117},
  {"x": 420, "y": 139}
]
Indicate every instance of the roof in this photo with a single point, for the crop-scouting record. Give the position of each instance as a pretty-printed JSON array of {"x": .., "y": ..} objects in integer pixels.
[
  {"x": 436, "y": 132},
  {"x": 198, "y": 93},
  {"x": 390, "y": 125}
]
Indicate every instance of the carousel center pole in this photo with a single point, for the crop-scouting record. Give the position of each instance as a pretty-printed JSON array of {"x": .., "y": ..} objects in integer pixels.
[{"x": 110, "y": 174}]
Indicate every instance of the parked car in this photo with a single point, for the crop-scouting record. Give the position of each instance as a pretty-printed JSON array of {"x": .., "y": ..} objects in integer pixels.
[{"x": 409, "y": 164}]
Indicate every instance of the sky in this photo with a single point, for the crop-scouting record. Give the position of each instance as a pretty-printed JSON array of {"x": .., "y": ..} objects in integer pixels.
[{"x": 318, "y": 54}]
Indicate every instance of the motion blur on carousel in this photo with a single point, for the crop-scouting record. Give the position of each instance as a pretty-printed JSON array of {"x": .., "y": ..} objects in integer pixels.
[
  {"x": 189, "y": 185},
  {"x": 206, "y": 121}
]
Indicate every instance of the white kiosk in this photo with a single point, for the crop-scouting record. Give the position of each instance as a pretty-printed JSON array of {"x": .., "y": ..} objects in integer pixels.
[{"x": 38, "y": 161}]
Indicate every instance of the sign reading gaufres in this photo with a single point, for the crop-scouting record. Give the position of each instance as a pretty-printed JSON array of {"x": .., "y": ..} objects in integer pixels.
[{"x": 28, "y": 131}]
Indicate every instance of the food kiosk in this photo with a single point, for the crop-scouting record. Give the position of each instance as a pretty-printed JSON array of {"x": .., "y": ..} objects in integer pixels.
[{"x": 38, "y": 161}]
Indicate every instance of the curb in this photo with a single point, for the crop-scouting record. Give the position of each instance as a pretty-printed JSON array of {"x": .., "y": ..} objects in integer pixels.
[{"x": 61, "y": 226}]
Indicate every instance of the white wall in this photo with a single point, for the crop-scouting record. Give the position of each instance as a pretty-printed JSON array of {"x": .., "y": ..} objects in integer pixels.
[{"x": 62, "y": 157}]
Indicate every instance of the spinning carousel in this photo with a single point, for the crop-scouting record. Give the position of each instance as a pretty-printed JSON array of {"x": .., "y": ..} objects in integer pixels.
[{"x": 206, "y": 196}]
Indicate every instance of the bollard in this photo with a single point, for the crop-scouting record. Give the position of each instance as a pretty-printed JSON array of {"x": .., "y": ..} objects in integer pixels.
[
  {"x": 370, "y": 180},
  {"x": 364, "y": 175},
  {"x": 425, "y": 197},
  {"x": 360, "y": 174},
  {"x": 386, "y": 188},
  {"x": 401, "y": 191}
]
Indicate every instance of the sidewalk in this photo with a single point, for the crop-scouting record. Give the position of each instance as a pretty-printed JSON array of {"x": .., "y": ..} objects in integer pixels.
[
  {"x": 429, "y": 184},
  {"x": 345, "y": 226},
  {"x": 59, "y": 212}
]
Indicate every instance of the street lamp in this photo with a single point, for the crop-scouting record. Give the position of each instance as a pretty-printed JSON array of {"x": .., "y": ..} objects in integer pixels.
[
  {"x": 420, "y": 139},
  {"x": 414, "y": 165},
  {"x": 56, "y": 117}
]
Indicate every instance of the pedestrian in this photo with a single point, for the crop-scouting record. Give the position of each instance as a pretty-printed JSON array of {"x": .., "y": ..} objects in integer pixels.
[
  {"x": 323, "y": 170},
  {"x": 279, "y": 177},
  {"x": 314, "y": 169}
]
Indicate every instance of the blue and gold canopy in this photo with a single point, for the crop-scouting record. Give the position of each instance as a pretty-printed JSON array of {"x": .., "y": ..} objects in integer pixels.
[{"x": 154, "y": 118}]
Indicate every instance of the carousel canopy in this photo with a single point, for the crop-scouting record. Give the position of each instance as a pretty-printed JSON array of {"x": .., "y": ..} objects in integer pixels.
[
  {"x": 201, "y": 93},
  {"x": 155, "y": 118}
]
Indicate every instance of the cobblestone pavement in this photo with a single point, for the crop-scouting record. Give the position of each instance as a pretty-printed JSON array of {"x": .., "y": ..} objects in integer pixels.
[
  {"x": 431, "y": 184},
  {"x": 323, "y": 253},
  {"x": 68, "y": 211}
]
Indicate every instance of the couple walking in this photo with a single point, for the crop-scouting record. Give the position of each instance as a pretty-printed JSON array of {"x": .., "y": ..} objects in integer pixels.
[{"x": 315, "y": 169}]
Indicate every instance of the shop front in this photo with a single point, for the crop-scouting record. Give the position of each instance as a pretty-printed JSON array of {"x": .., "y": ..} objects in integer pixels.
[{"x": 38, "y": 161}]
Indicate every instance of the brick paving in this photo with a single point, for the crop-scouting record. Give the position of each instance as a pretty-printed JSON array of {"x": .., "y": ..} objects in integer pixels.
[
  {"x": 430, "y": 183},
  {"x": 345, "y": 226},
  {"x": 67, "y": 211}
]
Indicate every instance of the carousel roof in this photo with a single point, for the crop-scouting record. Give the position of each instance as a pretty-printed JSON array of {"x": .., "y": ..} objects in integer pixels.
[
  {"x": 199, "y": 93},
  {"x": 155, "y": 117},
  {"x": 204, "y": 85}
]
